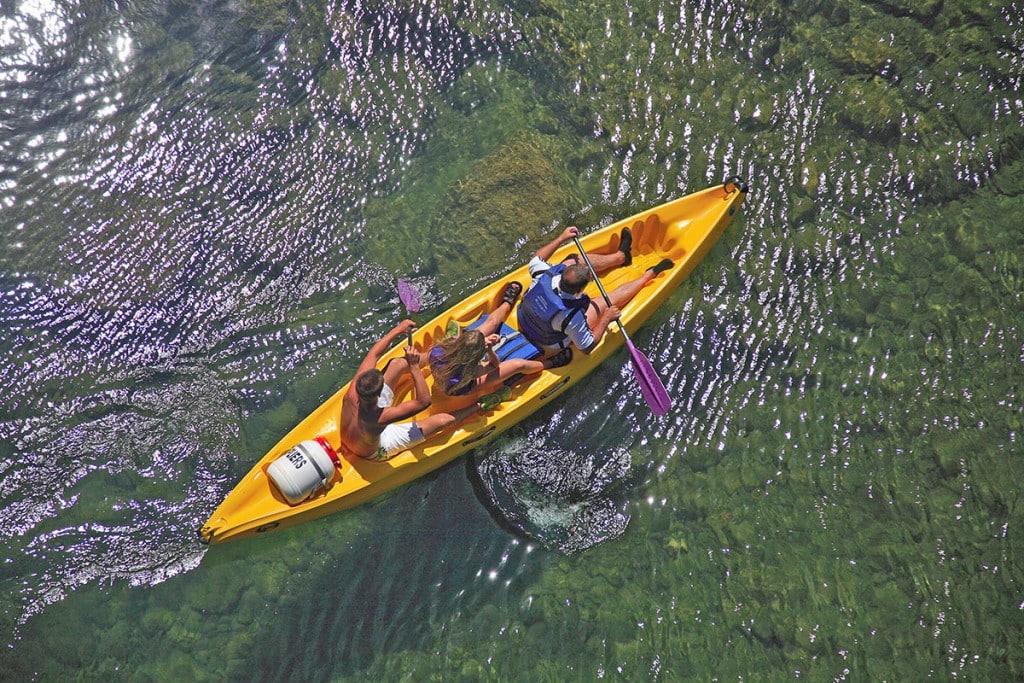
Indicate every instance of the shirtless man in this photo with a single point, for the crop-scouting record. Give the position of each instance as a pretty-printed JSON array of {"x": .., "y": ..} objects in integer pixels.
[{"x": 370, "y": 426}]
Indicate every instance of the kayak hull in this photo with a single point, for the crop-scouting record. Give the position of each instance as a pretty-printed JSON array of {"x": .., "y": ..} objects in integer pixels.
[{"x": 683, "y": 230}]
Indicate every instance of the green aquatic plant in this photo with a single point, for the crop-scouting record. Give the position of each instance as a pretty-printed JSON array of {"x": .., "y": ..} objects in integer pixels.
[
  {"x": 484, "y": 212},
  {"x": 872, "y": 107}
]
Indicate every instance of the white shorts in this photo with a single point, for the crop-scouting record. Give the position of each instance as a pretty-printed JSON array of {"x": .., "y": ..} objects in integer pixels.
[{"x": 396, "y": 437}]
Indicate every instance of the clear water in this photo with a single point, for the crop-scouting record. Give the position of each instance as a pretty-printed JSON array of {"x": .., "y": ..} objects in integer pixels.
[{"x": 203, "y": 211}]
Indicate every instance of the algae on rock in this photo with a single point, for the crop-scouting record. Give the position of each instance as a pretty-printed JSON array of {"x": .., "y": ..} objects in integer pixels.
[
  {"x": 467, "y": 212},
  {"x": 485, "y": 213},
  {"x": 474, "y": 229}
]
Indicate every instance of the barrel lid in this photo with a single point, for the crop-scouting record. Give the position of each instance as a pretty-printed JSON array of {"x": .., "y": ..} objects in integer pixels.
[{"x": 329, "y": 449}]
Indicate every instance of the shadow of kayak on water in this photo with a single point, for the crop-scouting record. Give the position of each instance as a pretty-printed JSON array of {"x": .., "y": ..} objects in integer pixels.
[{"x": 569, "y": 500}]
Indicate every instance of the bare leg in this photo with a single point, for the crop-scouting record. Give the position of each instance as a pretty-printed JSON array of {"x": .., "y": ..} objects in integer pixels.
[
  {"x": 494, "y": 319},
  {"x": 492, "y": 324},
  {"x": 395, "y": 369},
  {"x": 620, "y": 257},
  {"x": 620, "y": 296},
  {"x": 435, "y": 423},
  {"x": 493, "y": 380},
  {"x": 603, "y": 262}
]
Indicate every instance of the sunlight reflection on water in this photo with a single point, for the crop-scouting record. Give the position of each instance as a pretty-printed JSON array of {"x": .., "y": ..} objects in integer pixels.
[
  {"x": 184, "y": 274},
  {"x": 165, "y": 268}
]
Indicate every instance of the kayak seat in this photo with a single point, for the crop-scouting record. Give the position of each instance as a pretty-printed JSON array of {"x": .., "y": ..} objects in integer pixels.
[{"x": 513, "y": 344}]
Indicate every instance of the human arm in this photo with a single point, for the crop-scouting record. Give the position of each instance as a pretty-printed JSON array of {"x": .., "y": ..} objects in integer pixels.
[
  {"x": 383, "y": 344},
  {"x": 492, "y": 358},
  {"x": 608, "y": 316},
  {"x": 545, "y": 252},
  {"x": 580, "y": 332},
  {"x": 421, "y": 393}
]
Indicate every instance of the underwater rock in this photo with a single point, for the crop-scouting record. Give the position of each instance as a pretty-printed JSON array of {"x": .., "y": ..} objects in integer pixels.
[
  {"x": 490, "y": 179},
  {"x": 947, "y": 451},
  {"x": 512, "y": 192},
  {"x": 863, "y": 53},
  {"x": 1009, "y": 180},
  {"x": 263, "y": 15},
  {"x": 872, "y": 107},
  {"x": 550, "y": 44},
  {"x": 560, "y": 498},
  {"x": 755, "y": 108},
  {"x": 971, "y": 119},
  {"x": 801, "y": 209},
  {"x": 171, "y": 59},
  {"x": 545, "y": 121},
  {"x": 919, "y": 9}
]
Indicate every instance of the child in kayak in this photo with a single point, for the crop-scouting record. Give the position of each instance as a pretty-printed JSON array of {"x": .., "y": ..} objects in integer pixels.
[
  {"x": 456, "y": 361},
  {"x": 370, "y": 426}
]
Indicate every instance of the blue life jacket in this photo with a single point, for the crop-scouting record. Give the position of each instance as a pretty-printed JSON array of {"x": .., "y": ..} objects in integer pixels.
[{"x": 541, "y": 303}]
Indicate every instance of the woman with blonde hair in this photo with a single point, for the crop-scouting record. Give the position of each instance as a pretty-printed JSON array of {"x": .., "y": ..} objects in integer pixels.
[{"x": 466, "y": 364}]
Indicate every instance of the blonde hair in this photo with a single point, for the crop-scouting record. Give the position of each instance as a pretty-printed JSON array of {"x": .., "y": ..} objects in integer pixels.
[{"x": 458, "y": 366}]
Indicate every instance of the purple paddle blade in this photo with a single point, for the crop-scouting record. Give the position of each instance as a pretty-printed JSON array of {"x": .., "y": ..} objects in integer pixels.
[
  {"x": 650, "y": 384},
  {"x": 409, "y": 296}
]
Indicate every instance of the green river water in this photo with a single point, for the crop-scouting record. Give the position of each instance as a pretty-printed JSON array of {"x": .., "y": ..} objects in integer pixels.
[{"x": 204, "y": 207}]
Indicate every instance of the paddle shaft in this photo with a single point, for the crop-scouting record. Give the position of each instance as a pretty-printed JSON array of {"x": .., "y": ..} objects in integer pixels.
[
  {"x": 410, "y": 298},
  {"x": 651, "y": 385},
  {"x": 600, "y": 286}
]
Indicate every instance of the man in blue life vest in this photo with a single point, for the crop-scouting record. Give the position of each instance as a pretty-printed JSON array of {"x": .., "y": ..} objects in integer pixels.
[{"x": 555, "y": 312}]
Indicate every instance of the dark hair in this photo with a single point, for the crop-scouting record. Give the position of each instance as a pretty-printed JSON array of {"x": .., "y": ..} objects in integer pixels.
[
  {"x": 574, "y": 278},
  {"x": 369, "y": 384}
]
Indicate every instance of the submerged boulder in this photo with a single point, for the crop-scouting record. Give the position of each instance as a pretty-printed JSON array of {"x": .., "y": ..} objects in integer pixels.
[
  {"x": 872, "y": 107},
  {"x": 505, "y": 197},
  {"x": 487, "y": 209}
]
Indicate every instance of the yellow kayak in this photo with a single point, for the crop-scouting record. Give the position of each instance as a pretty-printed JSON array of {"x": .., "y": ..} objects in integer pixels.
[{"x": 683, "y": 230}]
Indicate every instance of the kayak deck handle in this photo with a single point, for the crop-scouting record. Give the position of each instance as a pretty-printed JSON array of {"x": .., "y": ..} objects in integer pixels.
[
  {"x": 554, "y": 390},
  {"x": 486, "y": 433},
  {"x": 737, "y": 182}
]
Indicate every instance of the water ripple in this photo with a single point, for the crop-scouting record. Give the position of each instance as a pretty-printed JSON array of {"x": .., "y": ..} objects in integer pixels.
[{"x": 184, "y": 273}]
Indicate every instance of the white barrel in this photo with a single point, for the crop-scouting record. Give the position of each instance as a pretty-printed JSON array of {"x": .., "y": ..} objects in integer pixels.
[{"x": 303, "y": 470}]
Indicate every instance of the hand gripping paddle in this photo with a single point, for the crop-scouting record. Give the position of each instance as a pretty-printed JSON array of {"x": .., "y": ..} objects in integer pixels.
[{"x": 650, "y": 384}]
